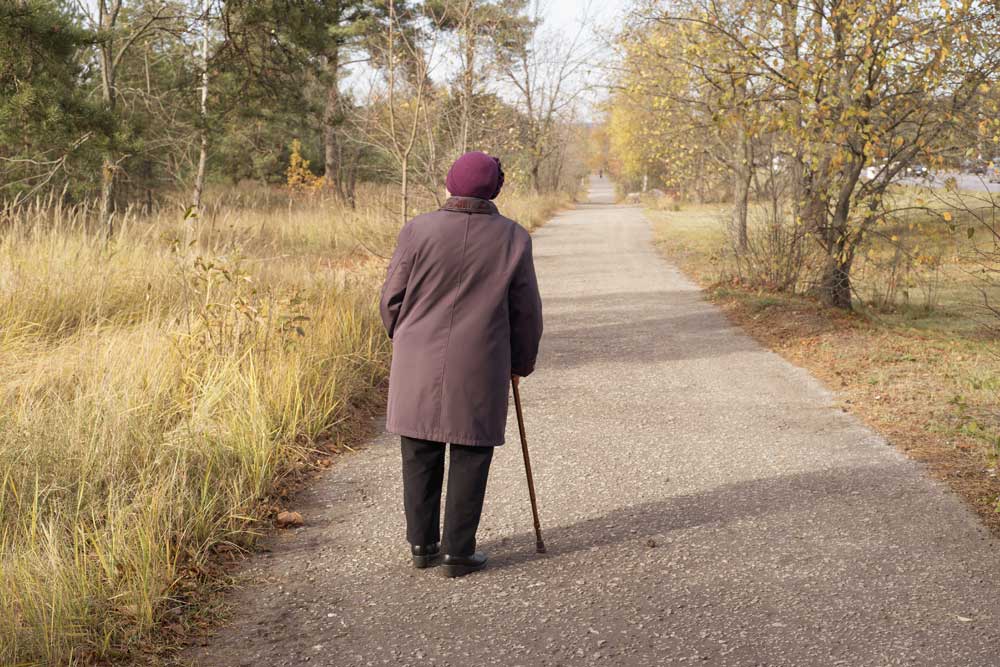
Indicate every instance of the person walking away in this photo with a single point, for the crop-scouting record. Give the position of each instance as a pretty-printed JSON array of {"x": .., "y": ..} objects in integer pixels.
[{"x": 461, "y": 305}]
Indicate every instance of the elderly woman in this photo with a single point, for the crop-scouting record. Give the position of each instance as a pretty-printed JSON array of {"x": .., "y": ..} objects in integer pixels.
[{"x": 461, "y": 305}]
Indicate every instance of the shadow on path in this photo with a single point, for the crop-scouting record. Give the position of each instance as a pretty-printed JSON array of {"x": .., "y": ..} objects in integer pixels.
[
  {"x": 720, "y": 506},
  {"x": 636, "y": 328}
]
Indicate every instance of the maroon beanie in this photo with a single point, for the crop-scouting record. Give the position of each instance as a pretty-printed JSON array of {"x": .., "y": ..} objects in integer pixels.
[{"x": 475, "y": 174}]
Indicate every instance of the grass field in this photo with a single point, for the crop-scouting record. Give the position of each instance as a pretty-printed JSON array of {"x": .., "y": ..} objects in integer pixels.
[
  {"x": 924, "y": 372},
  {"x": 158, "y": 386}
]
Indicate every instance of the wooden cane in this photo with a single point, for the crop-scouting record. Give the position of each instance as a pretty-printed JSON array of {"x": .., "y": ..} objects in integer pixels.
[{"x": 539, "y": 544}]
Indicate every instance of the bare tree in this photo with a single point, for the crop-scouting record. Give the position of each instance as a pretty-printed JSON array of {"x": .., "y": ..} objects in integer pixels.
[
  {"x": 399, "y": 98},
  {"x": 547, "y": 74},
  {"x": 486, "y": 32}
]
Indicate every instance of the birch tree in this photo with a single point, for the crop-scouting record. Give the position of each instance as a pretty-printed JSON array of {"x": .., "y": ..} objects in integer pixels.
[{"x": 199, "y": 179}]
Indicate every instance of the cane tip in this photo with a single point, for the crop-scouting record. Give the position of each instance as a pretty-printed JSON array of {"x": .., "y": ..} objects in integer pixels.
[{"x": 540, "y": 547}]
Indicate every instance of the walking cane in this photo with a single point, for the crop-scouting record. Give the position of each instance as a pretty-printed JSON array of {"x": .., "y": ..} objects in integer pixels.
[{"x": 539, "y": 544}]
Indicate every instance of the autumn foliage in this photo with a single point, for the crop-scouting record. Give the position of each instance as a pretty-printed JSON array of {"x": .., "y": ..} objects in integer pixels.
[{"x": 817, "y": 109}]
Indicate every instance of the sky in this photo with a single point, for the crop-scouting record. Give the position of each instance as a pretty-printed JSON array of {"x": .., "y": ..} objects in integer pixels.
[
  {"x": 602, "y": 17},
  {"x": 567, "y": 14}
]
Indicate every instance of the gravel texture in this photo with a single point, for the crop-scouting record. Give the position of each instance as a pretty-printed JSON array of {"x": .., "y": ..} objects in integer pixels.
[{"x": 703, "y": 501}]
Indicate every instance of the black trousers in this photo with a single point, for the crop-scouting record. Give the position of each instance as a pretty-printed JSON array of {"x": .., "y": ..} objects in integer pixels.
[{"x": 423, "y": 475}]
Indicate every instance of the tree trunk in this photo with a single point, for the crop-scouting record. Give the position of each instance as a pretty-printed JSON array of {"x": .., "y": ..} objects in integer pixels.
[
  {"x": 741, "y": 197},
  {"x": 699, "y": 181},
  {"x": 199, "y": 179},
  {"x": 468, "y": 76},
  {"x": 331, "y": 120},
  {"x": 557, "y": 175},
  {"x": 108, "y": 192},
  {"x": 790, "y": 50},
  {"x": 109, "y": 164},
  {"x": 404, "y": 189},
  {"x": 147, "y": 185},
  {"x": 351, "y": 186},
  {"x": 742, "y": 170},
  {"x": 835, "y": 286}
]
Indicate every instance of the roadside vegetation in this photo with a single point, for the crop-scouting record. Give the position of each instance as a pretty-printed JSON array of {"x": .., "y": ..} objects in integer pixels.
[
  {"x": 158, "y": 388},
  {"x": 828, "y": 173},
  {"x": 198, "y": 200},
  {"x": 918, "y": 358},
  {"x": 154, "y": 389}
]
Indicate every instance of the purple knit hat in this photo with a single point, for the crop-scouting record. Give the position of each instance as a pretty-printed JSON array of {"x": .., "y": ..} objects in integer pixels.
[{"x": 475, "y": 174}]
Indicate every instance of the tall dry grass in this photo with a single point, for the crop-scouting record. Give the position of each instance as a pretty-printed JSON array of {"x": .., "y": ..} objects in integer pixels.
[{"x": 155, "y": 385}]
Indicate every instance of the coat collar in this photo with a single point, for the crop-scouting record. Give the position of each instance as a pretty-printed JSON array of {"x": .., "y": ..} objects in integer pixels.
[{"x": 469, "y": 205}]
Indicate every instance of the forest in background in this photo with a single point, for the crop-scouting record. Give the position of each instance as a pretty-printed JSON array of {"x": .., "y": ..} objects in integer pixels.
[{"x": 138, "y": 104}]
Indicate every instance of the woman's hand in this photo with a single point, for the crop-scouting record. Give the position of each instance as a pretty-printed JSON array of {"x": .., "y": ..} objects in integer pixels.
[{"x": 515, "y": 380}]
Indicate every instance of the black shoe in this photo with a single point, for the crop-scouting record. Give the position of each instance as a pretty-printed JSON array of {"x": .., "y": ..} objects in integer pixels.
[
  {"x": 424, "y": 556},
  {"x": 459, "y": 566}
]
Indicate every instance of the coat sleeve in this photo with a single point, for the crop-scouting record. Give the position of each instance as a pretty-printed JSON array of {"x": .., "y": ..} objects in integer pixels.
[
  {"x": 394, "y": 288},
  {"x": 525, "y": 307}
]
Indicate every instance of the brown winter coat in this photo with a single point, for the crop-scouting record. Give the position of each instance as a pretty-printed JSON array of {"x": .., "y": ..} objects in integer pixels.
[{"x": 461, "y": 305}]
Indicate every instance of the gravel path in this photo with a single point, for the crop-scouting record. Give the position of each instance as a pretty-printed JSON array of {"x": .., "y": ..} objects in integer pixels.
[{"x": 703, "y": 501}]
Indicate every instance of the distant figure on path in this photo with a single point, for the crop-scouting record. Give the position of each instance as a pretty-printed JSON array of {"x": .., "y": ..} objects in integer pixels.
[{"x": 462, "y": 308}]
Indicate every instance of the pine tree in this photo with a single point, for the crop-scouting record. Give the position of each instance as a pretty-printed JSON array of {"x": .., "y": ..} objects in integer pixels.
[{"x": 44, "y": 117}]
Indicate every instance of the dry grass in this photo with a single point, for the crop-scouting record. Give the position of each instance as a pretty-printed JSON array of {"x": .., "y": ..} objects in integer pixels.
[
  {"x": 531, "y": 211},
  {"x": 919, "y": 272},
  {"x": 156, "y": 386},
  {"x": 929, "y": 380}
]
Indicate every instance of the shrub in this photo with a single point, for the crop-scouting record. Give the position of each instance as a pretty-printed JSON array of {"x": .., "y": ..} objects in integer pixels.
[{"x": 778, "y": 256}]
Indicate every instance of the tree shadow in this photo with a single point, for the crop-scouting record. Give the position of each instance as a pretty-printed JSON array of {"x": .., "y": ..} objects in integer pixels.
[
  {"x": 719, "y": 506},
  {"x": 636, "y": 328}
]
